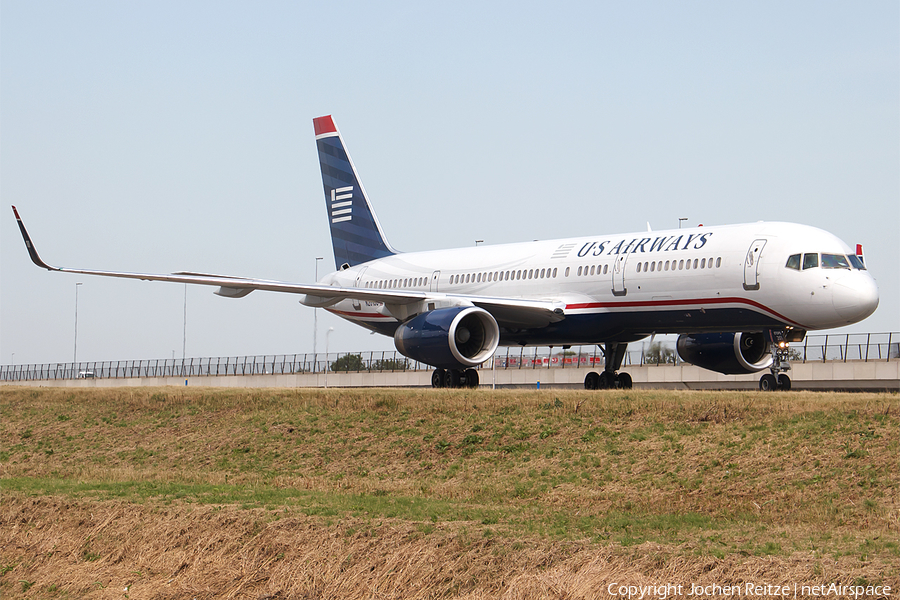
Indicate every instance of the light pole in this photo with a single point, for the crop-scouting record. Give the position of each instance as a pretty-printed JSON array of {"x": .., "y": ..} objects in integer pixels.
[
  {"x": 184, "y": 326},
  {"x": 479, "y": 242},
  {"x": 327, "y": 338},
  {"x": 316, "y": 312},
  {"x": 75, "y": 352},
  {"x": 680, "y": 219}
]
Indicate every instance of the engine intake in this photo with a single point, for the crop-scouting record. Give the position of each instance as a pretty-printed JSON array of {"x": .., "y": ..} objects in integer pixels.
[
  {"x": 728, "y": 353},
  {"x": 449, "y": 338}
]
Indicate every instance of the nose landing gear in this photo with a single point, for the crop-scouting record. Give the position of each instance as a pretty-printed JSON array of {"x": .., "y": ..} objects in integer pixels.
[{"x": 777, "y": 378}]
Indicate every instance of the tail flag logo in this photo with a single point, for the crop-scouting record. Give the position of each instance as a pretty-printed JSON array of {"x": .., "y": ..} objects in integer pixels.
[{"x": 341, "y": 204}]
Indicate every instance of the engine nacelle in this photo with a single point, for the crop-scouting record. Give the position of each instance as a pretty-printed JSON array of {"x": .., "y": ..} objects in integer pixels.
[
  {"x": 449, "y": 338},
  {"x": 728, "y": 353}
]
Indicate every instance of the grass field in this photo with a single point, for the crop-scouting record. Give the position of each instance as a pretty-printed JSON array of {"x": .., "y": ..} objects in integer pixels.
[{"x": 211, "y": 493}]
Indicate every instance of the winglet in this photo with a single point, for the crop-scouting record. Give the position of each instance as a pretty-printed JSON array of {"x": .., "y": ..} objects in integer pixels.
[{"x": 35, "y": 258}]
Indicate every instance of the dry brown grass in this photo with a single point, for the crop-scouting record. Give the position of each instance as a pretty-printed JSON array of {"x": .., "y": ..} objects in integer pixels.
[
  {"x": 424, "y": 494},
  {"x": 98, "y": 549}
]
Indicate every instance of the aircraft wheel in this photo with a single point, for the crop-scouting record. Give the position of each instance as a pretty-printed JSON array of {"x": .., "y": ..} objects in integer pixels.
[
  {"x": 605, "y": 381},
  {"x": 437, "y": 378},
  {"x": 591, "y": 381},
  {"x": 784, "y": 382},
  {"x": 471, "y": 378},
  {"x": 768, "y": 383},
  {"x": 451, "y": 378},
  {"x": 624, "y": 381}
]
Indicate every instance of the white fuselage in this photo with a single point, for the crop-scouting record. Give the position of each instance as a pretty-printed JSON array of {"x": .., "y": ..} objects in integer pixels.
[{"x": 627, "y": 286}]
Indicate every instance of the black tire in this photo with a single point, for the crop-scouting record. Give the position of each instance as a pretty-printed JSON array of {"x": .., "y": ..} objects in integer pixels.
[
  {"x": 451, "y": 379},
  {"x": 784, "y": 382},
  {"x": 606, "y": 381},
  {"x": 768, "y": 383},
  {"x": 471, "y": 378},
  {"x": 591, "y": 381},
  {"x": 624, "y": 381},
  {"x": 437, "y": 378}
]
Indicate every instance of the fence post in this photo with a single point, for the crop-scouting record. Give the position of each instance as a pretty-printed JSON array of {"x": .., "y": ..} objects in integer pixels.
[{"x": 890, "y": 339}]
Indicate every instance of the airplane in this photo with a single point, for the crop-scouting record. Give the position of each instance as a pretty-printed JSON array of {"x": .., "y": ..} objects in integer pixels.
[{"x": 736, "y": 295}]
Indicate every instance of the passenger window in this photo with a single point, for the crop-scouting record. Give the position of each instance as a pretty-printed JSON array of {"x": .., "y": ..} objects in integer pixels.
[
  {"x": 702, "y": 263},
  {"x": 680, "y": 265},
  {"x": 834, "y": 261},
  {"x": 652, "y": 267},
  {"x": 810, "y": 261},
  {"x": 567, "y": 271},
  {"x": 554, "y": 272},
  {"x": 605, "y": 269},
  {"x": 718, "y": 262},
  {"x": 639, "y": 268},
  {"x": 793, "y": 262}
]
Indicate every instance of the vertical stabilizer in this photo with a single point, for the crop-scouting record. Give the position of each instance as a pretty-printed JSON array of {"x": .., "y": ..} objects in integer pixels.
[{"x": 356, "y": 234}]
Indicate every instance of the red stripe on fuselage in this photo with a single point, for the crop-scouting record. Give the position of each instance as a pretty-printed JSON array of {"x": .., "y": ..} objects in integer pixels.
[
  {"x": 589, "y": 305},
  {"x": 678, "y": 303}
]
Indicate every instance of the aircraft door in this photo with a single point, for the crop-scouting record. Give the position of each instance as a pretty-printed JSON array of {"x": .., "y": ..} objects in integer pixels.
[
  {"x": 618, "y": 275},
  {"x": 356, "y": 302},
  {"x": 435, "y": 277},
  {"x": 751, "y": 265}
]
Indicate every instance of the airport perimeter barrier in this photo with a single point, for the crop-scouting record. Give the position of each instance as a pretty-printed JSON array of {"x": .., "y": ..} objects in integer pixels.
[{"x": 865, "y": 347}]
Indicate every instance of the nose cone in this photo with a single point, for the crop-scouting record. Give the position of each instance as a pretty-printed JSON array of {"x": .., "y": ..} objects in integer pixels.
[{"x": 856, "y": 297}]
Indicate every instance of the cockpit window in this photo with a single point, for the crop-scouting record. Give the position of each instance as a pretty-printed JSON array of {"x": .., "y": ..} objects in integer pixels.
[
  {"x": 856, "y": 262},
  {"x": 793, "y": 262},
  {"x": 834, "y": 261},
  {"x": 810, "y": 261}
]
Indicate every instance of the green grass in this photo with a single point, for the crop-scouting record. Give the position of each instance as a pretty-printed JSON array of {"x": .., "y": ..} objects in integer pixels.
[{"x": 712, "y": 473}]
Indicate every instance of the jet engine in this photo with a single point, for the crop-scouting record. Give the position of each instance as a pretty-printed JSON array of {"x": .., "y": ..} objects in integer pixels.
[
  {"x": 449, "y": 338},
  {"x": 728, "y": 353}
]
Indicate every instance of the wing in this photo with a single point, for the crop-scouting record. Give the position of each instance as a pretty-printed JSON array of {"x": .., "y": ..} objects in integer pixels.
[{"x": 509, "y": 312}]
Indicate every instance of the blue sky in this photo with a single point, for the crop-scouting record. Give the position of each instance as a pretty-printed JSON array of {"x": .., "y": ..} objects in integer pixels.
[{"x": 167, "y": 136}]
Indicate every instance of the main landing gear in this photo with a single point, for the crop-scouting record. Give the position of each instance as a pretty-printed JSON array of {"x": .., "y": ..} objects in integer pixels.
[
  {"x": 613, "y": 353},
  {"x": 776, "y": 378},
  {"x": 454, "y": 378}
]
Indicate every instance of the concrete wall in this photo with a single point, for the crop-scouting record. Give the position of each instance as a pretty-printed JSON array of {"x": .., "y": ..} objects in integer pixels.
[{"x": 851, "y": 375}]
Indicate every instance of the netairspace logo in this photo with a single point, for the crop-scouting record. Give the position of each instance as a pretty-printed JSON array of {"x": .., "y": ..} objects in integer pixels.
[{"x": 750, "y": 590}]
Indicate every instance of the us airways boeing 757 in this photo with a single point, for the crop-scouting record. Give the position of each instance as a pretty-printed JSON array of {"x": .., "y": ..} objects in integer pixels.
[{"x": 735, "y": 294}]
